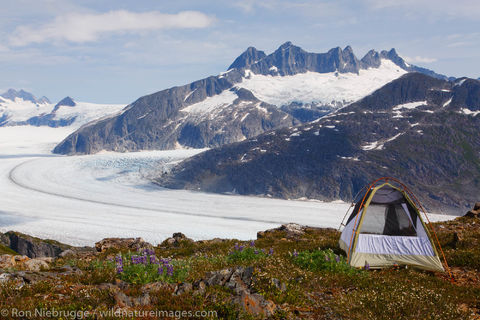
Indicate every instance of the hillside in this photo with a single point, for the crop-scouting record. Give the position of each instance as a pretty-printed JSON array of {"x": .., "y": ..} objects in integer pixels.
[
  {"x": 420, "y": 129},
  {"x": 290, "y": 272}
]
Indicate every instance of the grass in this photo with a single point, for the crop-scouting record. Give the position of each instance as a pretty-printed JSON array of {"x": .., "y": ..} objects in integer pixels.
[
  {"x": 6, "y": 250},
  {"x": 306, "y": 277}
]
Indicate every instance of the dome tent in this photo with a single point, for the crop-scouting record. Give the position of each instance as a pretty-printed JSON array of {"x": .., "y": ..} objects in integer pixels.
[{"x": 386, "y": 228}]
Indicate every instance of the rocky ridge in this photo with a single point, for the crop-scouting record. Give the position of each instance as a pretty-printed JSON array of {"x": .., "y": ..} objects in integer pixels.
[{"x": 230, "y": 107}]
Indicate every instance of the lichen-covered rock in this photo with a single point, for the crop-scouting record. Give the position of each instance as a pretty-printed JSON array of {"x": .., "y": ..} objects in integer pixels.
[
  {"x": 122, "y": 243},
  {"x": 36, "y": 265}
]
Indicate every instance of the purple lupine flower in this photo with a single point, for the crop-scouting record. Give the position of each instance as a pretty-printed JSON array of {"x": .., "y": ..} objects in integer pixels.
[
  {"x": 160, "y": 270},
  {"x": 295, "y": 253},
  {"x": 252, "y": 243},
  {"x": 119, "y": 268},
  {"x": 241, "y": 248},
  {"x": 337, "y": 258},
  {"x": 255, "y": 251},
  {"x": 263, "y": 250},
  {"x": 367, "y": 266},
  {"x": 170, "y": 270},
  {"x": 236, "y": 247},
  {"x": 270, "y": 252},
  {"x": 153, "y": 260}
]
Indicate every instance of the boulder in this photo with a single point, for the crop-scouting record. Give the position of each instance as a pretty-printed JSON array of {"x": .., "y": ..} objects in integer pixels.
[
  {"x": 10, "y": 261},
  {"x": 36, "y": 265},
  {"x": 255, "y": 303},
  {"x": 134, "y": 244},
  {"x": 176, "y": 239}
]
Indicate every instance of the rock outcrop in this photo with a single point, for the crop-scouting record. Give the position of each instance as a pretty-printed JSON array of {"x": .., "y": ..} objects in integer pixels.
[
  {"x": 475, "y": 212},
  {"x": 133, "y": 244},
  {"x": 32, "y": 247}
]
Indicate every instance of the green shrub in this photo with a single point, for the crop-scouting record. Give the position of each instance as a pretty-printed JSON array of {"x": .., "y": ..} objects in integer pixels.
[
  {"x": 323, "y": 260},
  {"x": 240, "y": 254}
]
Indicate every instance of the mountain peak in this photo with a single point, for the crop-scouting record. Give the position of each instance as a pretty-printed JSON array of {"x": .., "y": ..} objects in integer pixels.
[
  {"x": 11, "y": 94},
  {"x": 67, "y": 101},
  {"x": 348, "y": 49},
  {"x": 247, "y": 58},
  {"x": 285, "y": 45}
]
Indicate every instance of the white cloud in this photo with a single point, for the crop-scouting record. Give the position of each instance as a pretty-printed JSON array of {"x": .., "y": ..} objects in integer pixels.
[
  {"x": 419, "y": 59},
  {"x": 81, "y": 27}
]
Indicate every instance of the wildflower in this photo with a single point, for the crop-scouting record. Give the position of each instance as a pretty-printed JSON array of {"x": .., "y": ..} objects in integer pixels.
[
  {"x": 153, "y": 260},
  {"x": 241, "y": 248},
  {"x": 367, "y": 266},
  {"x": 337, "y": 258},
  {"x": 170, "y": 270},
  {"x": 252, "y": 243},
  {"x": 160, "y": 270},
  {"x": 236, "y": 247},
  {"x": 295, "y": 253},
  {"x": 255, "y": 252},
  {"x": 270, "y": 252},
  {"x": 327, "y": 258}
]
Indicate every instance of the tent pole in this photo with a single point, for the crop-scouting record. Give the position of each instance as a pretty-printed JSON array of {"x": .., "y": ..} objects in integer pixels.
[
  {"x": 432, "y": 229},
  {"x": 351, "y": 206}
]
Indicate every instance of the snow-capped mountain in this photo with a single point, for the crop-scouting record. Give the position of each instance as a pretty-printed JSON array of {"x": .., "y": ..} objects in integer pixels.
[
  {"x": 420, "y": 129},
  {"x": 12, "y": 94},
  {"x": 22, "y": 108},
  {"x": 258, "y": 93}
]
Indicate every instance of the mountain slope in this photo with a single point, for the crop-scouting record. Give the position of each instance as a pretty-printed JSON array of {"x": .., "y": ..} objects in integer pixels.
[
  {"x": 417, "y": 128},
  {"x": 258, "y": 93}
]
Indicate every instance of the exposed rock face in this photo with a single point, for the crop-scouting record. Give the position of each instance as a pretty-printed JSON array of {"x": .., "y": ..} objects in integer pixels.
[
  {"x": 31, "y": 246},
  {"x": 67, "y": 101},
  {"x": 122, "y": 243},
  {"x": 419, "y": 129},
  {"x": 246, "y": 59}
]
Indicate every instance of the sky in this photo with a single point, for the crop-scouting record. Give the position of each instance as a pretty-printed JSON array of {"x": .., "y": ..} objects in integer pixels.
[{"x": 114, "y": 51}]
